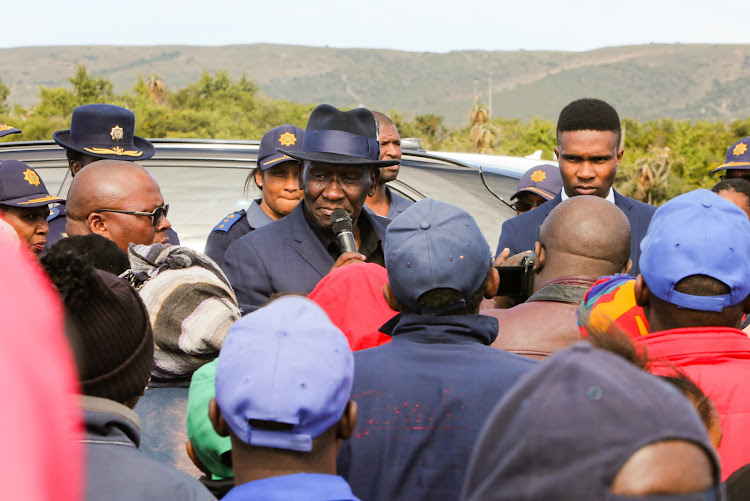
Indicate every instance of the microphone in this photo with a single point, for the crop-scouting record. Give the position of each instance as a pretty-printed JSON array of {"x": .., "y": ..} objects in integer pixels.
[{"x": 341, "y": 224}]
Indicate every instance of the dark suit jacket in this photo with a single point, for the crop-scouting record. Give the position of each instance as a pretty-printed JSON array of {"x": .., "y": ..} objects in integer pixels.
[
  {"x": 519, "y": 233},
  {"x": 284, "y": 256}
]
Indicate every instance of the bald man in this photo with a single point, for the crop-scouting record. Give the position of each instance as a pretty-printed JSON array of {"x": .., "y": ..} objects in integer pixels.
[
  {"x": 582, "y": 239},
  {"x": 120, "y": 201}
]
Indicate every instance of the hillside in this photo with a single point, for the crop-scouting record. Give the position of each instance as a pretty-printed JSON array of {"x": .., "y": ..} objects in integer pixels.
[{"x": 648, "y": 81}]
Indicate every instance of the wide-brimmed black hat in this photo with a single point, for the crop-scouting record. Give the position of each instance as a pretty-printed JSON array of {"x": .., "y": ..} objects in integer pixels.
[
  {"x": 104, "y": 131},
  {"x": 341, "y": 137}
]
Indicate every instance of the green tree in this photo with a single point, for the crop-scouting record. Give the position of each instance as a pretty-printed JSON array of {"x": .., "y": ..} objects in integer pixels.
[{"x": 4, "y": 93}]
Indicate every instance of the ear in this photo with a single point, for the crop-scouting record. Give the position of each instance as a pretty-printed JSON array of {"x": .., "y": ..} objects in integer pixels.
[
  {"x": 259, "y": 178},
  {"x": 390, "y": 298},
  {"x": 492, "y": 284},
  {"x": 97, "y": 224},
  {"x": 557, "y": 152},
  {"x": 374, "y": 176},
  {"x": 75, "y": 166},
  {"x": 217, "y": 420},
  {"x": 348, "y": 421},
  {"x": 195, "y": 459},
  {"x": 301, "y": 180},
  {"x": 642, "y": 294},
  {"x": 628, "y": 266},
  {"x": 541, "y": 257},
  {"x": 619, "y": 155}
]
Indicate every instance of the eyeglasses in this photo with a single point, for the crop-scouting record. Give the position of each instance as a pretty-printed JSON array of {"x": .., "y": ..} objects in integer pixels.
[
  {"x": 524, "y": 206},
  {"x": 155, "y": 215},
  {"x": 746, "y": 177}
]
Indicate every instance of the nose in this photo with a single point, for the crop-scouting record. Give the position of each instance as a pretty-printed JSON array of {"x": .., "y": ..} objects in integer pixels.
[
  {"x": 586, "y": 171},
  {"x": 333, "y": 190},
  {"x": 163, "y": 224},
  {"x": 42, "y": 228},
  {"x": 291, "y": 183}
]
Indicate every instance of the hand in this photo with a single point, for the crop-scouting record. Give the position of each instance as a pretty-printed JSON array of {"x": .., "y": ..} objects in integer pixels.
[
  {"x": 347, "y": 258},
  {"x": 514, "y": 260}
]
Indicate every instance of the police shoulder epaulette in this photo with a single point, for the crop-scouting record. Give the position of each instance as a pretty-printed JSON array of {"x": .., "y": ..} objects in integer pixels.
[
  {"x": 54, "y": 212},
  {"x": 228, "y": 221}
]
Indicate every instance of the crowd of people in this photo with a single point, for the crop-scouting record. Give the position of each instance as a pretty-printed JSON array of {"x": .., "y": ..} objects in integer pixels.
[{"x": 336, "y": 341}]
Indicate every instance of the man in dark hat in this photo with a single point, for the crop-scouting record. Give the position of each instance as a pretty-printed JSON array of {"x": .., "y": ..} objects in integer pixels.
[
  {"x": 97, "y": 132},
  {"x": 340, "y": 161},
  {"x": 423, "y": 397},
  {"x": 277, "y": 177},
  {"x": 24, "y": 204},
  {"x": 385, "y": 202}
]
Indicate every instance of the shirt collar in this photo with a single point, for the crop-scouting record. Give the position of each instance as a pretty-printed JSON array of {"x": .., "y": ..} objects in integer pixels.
[
  {"x": 255, "y": 215},
  {"x": 609, "y": 198},
  {"x": 299, "y": 486}
]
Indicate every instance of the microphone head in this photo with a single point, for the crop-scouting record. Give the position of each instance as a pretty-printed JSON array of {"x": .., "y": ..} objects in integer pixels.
[{"x": 340, "y": 221}]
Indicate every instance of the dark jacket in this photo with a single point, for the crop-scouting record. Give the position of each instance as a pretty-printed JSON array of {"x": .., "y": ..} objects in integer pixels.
[
  {"x": 233, "y": 226},
  {"x": 422, "y": 401},
  {"x": 285, "y": 256},
  {"x": 115, "y": 468},
  {"x": 519, "y": 233}
]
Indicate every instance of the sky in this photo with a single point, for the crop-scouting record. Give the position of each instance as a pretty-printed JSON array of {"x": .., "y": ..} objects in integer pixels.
[{"x": 416, "y": 25}]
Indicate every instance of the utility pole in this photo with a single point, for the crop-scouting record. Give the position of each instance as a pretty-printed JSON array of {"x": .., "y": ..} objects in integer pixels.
[{"x": 489, "y": 93}]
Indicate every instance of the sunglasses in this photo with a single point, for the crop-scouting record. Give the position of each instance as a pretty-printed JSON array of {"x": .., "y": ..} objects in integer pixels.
[
  {"x": 524, "y": 206},
  {"x": 155, "y": 215}
]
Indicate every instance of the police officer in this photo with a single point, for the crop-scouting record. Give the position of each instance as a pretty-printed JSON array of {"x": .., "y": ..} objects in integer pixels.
[
  {"x": 277, "y": 176},
  {"x": 98, "y": 131},
  {"x": 24, "y": 204}
]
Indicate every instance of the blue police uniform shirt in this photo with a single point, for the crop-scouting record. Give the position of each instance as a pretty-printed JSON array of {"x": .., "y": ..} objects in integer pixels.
[
  {"x": 234, "y": 226},
  {"x": 295, "y": 487},
  {"x": 58, "y": 218},
  {"x": 398, "y": 204}
]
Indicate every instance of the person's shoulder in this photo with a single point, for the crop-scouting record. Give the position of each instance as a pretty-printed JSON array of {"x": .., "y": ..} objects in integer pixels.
[
  {"x": 635, "y": 204},
  {"x": 152, "y": 479},
  {"x": 229, "y": 221},
  {"x": 379, "y": 222}
]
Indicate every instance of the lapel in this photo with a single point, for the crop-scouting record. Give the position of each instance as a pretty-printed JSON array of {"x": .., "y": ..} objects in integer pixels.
[
  {"x": 306, "y": 244},
  {"x": 626, "y": 206}
]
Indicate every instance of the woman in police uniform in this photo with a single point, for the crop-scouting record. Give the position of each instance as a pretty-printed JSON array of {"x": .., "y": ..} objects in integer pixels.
[{"x": 277, "y": 175}]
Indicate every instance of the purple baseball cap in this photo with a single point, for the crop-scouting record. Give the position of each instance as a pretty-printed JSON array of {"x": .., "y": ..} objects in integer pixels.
[
  {"x": 433, "y": 245},
  {"x": 284, "y": 363},
  {"x": 738, "y": 156},
  {"x": 565, "y": 430},
  {"x": 288, "y": 137},
  {"x": 697, "y": 233},
  {"x": 544, "y": 180},
  {"x": 8, "y": 129},
  {"x": 21, "y": 186}
]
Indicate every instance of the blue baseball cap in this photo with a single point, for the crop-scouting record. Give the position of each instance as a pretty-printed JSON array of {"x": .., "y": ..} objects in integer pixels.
[
  {"x": 697, "y": 233},
  {"x": 544, "y": 180},
  {"x": 284, "y": 363},
  {"x": 288, "y": 137},
  {"x": 21, "y": 186},
  {"x": 104, "y": 131},
  {"x": 434, "y": 245},
  {"x": 738, "y": 156},
  {"x": 8, "y": 129}
]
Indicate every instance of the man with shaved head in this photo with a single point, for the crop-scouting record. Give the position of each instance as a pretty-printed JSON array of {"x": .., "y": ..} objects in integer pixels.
[
  {"x": 582, "y": 239},
  {"x": 120, "y": 201}
]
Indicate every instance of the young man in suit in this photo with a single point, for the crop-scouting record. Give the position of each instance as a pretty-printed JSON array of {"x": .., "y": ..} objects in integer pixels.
[
  {"x": 340, "y": 168},
  {"x": 588, "y": 150}
]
